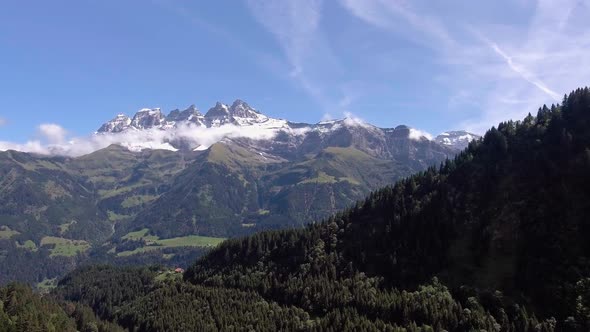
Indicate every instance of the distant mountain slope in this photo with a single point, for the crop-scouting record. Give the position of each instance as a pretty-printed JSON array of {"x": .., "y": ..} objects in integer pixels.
[
  {"x": 230, "y": 172},
  {"x": 493, "y": 240},
  {"x": 39, "y": 196},
  {"x": 248, "y": 187}
]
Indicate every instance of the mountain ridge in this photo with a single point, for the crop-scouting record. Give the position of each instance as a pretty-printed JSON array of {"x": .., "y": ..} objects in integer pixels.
[{"x": 241, "y": 115}]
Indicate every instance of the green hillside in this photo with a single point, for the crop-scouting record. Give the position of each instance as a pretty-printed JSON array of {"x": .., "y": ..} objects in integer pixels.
[
  {"x": 57, "y": 212},
  {"x": 494, "y": 240}
]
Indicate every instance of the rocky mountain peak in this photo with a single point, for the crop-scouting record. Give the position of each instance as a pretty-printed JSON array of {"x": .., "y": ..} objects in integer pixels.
[
  {"x": 219, "y": 110},
  {"x": 190, "y": 114},
  {"x": 117, "y": 124},
  {"x": 277, "y": 136},
  {"x": 241, "y": 109},
  {"x": 401, "y": 131},
  {"x": 147, "y": 118},
  {"x": 218, "y": 115}
]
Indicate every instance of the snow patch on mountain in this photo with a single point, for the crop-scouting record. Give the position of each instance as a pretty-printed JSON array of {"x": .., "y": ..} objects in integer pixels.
[{"x": 457, "y": 140}]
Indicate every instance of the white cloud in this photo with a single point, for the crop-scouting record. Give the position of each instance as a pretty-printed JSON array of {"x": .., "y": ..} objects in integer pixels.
[
  {"x": 541, "y": 63},
  {"x": 311, "y": 63},
  {"x": 52, "y": 132},
  {"x": 57, "y": 142},
  {"x": 523, "y": 72},
  {"x": 352, "y": 119},
  {"x": 417, "y": 135},
  {"x": 327, "y": 117},
  {"x": 493, "y": 71},
  {"x": 401, "y": 18},
  {"x": 31, "y": 146},
  {"x": 2, "y": 122},
  {"x": 293, "y": 22}
]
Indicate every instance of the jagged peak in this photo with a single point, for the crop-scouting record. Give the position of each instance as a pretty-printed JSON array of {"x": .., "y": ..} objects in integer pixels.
[
  {"x": 147, "y": 118},
  {"x": 192, "y": 108},
  {"x": 117, "y": 124},
  {"x": 219, "y": 109},
  {"x": 238, "y": 102},
  {"x": 149, "y": 110},
  {"x": 241, "y": 109},
  {"x": 189, "y": 114}
]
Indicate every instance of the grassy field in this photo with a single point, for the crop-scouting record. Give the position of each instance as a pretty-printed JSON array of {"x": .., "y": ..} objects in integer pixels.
[
  {"x": 168, "y": 275},
  {"x": 65, "y": 247},
  {"x": 141, "y": 234},
  {"x": 29, "y": 244},
  {"x": 47, "y": 285},
  {"x": 7, "y": 233},
  {"x": 116, "y": 217},
  {"x": 137, "y": 200},
  {"x": 155, "y": 243},
  {"x": 321, "y": 178}
]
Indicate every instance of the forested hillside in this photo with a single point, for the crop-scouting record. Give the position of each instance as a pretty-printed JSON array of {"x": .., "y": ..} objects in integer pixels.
[
  {"x": 23, "y": 310},
  {"x": 493, "y": 240}
]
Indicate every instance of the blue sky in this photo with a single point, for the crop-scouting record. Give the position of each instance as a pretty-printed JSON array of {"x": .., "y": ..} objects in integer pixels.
[{"x": 68, "y": 66}]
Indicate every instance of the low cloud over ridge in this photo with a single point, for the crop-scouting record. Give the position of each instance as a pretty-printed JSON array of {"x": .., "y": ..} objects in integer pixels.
[{"x": 54, "y": 140}]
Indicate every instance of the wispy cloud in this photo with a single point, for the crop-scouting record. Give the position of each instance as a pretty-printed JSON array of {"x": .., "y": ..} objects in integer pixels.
[
  {"x": 547, "y": 58},
  {"x": 497, "y": 71},
  {"x": 295, "y": 24},
  {"x": 53, "y": 133},
  {"x": 2, "y": 121},
  {"x": 523, "y": 72},
  {"x": 419, "y": 135},
  {"x": 55, "y": 140},
  {"x": 401, "y": 18}
]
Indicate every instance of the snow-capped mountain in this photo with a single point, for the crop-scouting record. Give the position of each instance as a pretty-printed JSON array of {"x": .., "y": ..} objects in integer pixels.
[
  {"x": 190, "y": 115},
  {"x": 238, "y": 114},
  {"x": 148, "y": 118},
  {"x": 191, "y": 130},
  {"x": 457, "y": 140},
  {"x": 118, "y": 124}
]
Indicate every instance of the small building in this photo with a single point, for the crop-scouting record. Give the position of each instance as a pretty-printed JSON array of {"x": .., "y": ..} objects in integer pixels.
[{"x": 179, "y": 270}]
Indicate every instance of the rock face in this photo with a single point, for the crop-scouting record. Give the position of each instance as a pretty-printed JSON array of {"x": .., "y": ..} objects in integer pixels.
[
  {"x": 116, "y": 125},
  {"x": 191, "y": 115},
  {"x": 148, "y": 118},
  {"x": 218, "y": 116}
]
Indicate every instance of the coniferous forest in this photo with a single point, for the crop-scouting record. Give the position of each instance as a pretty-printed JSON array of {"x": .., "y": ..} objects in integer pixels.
[{"x": 494, "y": 240}]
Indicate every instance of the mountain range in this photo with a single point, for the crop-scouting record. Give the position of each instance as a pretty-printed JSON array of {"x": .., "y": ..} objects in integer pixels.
[
  {"x": 494, "y": 239},
  {"x": 187, "y": 179},
  {"x": 191, "y": 130}
]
